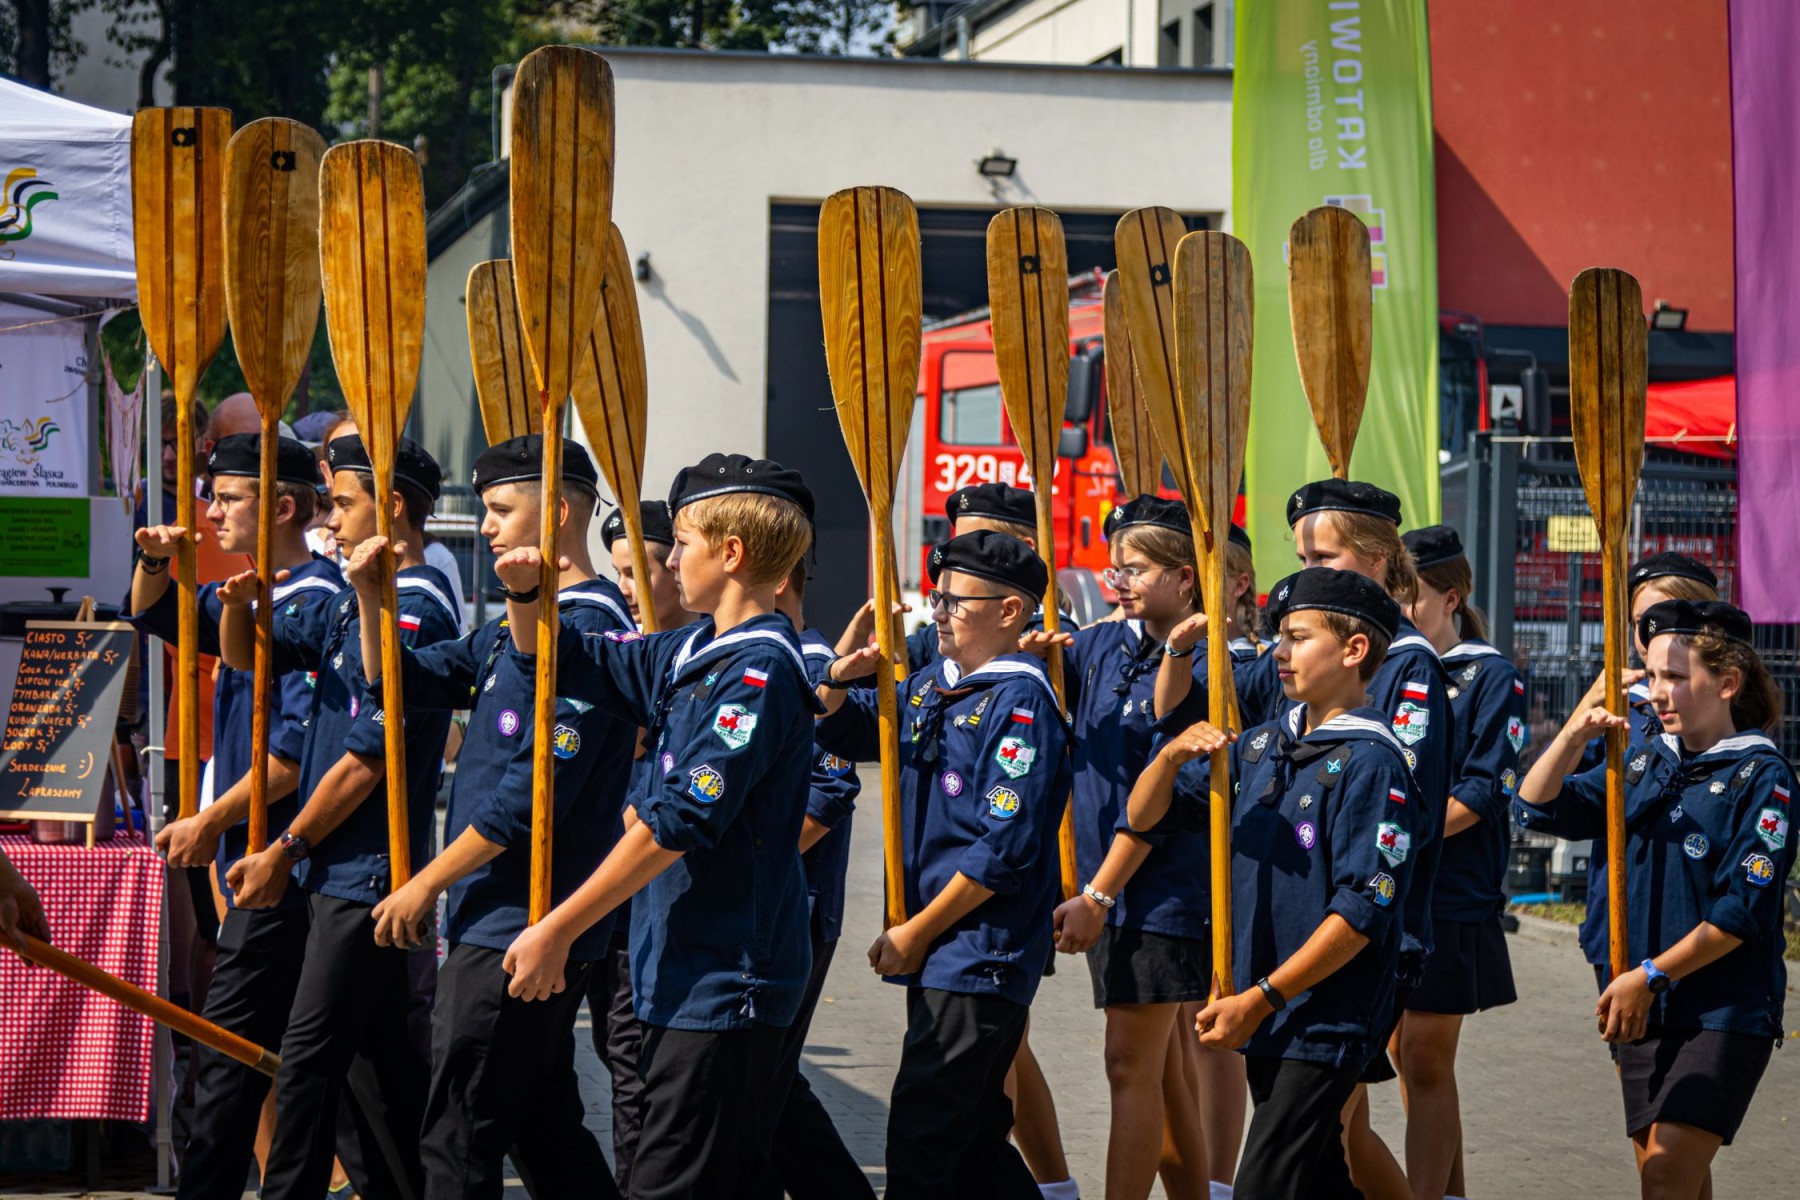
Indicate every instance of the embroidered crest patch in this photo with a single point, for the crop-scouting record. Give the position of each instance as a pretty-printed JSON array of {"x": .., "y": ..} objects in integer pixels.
[
  {"x": 1383, "y": 885},
  {"x": 1411, "y": 722},
  {"x": 565, "y": 742},
  {"x": 1393, "y": 842},
  {"x": 507, "y": 722},
  {"x": 734, "y": 724},
  {"x": 952, "y": 783},
  {"x": 1695, "y": 845},
  {"x": 1015, "y": 756},
  {"x": 1003, "y": 803},
  {"x": 1307, "y": 834},
  {"x": 1772, "y": 828},
  {"x": 1515, "y": 733},
  {"x": 622, "y": 635},
  {"x": 1759, "y": 869},
  {"x": 705, "y": 784},
  {"x": 834, "y": 766}
]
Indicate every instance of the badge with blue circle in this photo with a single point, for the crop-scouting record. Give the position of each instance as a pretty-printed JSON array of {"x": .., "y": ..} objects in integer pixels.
[
  {"x": 705, "y": 784},
  {"x": 1383, "y": 885},
  {"x": 565, "y": 742},
  {"x": 1759, "y": 870},
  {"x": 1003, "y": 803},
  {"x": 1695, "y": 845},
  {"x": 507, "y": 722}
]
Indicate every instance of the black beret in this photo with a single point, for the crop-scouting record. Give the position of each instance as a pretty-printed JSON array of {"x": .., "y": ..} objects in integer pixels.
[
  {"x": 995, "y": 501},
  {"x": 1343, "y": 495},
  {"x": 994, "y": 556},
  {"x": 723, "y": 474},
  {"x": 517, "y": 460},
  {"x": 1691, "y": 616},
  {"x": 411, "y": 463},
  {"x": 241, "y": 454},
  {"x": 1335, "y": 591},
  {"x": 1661, "y": 566},
  {"x": 1148, "y": 510},
  {"x": 1240, "y": 535},
  {"x": 653, "y": 516},
  {"x": 1433, "y": 544}
]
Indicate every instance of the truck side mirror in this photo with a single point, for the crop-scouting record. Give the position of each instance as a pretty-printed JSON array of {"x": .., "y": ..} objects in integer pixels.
[
  {"x": 1073, "y": 443},
  {"x": 1086, "y": 371}
]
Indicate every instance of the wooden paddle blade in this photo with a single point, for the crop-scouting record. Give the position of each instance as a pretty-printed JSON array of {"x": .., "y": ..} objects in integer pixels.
[
  {"x": 1028, "y": 299},
  {"x": 272, "y": 284},
  {"x": 612, "y": 390},
  {"x": 1139, "y": 454},
  {"x": 1144, "y": 242},
  {"x": 178, "y": 233},
  {"x": 869, "y": 294},
  {"x": 1329, "y": 303},
  {"x": 1609, "y": 370},
  {"x": 562, "y": 186},
  {"x": 503, "y": 381},
  {"x": 372, "y": 242},
  {"x": 1214, "y": 312}
]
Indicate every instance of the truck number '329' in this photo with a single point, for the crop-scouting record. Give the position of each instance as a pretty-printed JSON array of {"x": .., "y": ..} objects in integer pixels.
[{"x": 957, "y": 471}]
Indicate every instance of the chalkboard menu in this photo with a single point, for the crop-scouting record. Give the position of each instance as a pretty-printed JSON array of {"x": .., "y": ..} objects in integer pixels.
[{"x": 59, "y": 731}]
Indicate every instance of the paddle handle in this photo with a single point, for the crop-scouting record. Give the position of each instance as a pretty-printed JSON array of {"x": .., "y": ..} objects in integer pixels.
[
  {"x": 640, "y": 561},
  {"x": 888, "y": 719},
  {"x": 543, "y": 747},
  {"x": 902, "y": 668},
  {"x": 1046, "y": 547},
  {"x": 393, "y": 707},
  {"x": 1221, "y": 701},
  {"x": 151, "y": 1005},
  {"x": 265, "y": 615},
  {"x": 187, "y": 609},
  {"x": 1613, "y": 596}
]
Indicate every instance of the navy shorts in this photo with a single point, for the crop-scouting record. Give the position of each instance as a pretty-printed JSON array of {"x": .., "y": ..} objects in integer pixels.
[
  {"x": 1469, "y": 971},
  {"x": 1699, "y": 1077},
  {"x": 1135, "y": 966}
]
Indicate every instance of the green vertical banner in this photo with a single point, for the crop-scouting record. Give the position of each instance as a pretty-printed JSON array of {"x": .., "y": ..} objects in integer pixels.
[{"x": 1332, "y": 105}]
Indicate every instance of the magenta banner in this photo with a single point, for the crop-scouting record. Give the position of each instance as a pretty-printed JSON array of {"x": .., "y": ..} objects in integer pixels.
[{"x": 1765, "y": 98}]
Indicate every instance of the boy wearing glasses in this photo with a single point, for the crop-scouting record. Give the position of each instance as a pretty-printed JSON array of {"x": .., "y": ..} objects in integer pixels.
[{"x": 984, "y": 774}]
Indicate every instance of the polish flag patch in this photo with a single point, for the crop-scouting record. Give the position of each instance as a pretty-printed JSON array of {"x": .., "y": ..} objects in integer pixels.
[
  {"x": 756, "y": 678},
  {"x": 1397, "y": 796},
  {"x": 1518, "y": 687},
  {"x": 1024, "y": 716},
  {"x": 407, "y": 622},
  {"x": 1781, "y": 794},
  {"x": 1416, "y": 691}
]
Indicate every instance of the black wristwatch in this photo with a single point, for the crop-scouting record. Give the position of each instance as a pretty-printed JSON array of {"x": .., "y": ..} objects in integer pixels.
[
  {"x": 1276, "y": 1000},
  {"x": 825, "y": 679},
  {"x": 1172, "y": 652},
  {"x": 149, "y": 562},
  {"x": 521, "y": 597},
  {"x": 295, "y": 848}
]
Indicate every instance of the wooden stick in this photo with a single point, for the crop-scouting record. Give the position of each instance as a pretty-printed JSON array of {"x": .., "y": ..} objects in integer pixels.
[
  {"x": 372, "y": 237},
  {"x": 1330, "y": 307},
  {"x": 177, "y": 201},
  {"x": 150, "y": 1005},
  {"x": 1609, "y": 369},
  {"x": 1145, "y": 241},
  {"x": 1140, "y": 456},
  {"x": 869, "y": 294},
  {"x": 503, "y": 383},
  {"x": 612, "y": 397},
  {"x": 1028, "y": 269},
  {"x": 562, "y": 176},
  {"x": 272, "y": 291},
  {"x": 1214, "y": 319}
]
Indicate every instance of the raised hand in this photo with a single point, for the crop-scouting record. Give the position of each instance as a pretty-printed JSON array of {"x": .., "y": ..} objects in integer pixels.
[
  {"x": 240, "y": 590},
  {"x": 1190, "y": 631},
  {"x": 1590, "y": 722},
  {"x": 162, "y": 541},
  {"x": 363, "y": 569},
  {"x": 1038, "y": 641},
  {"x": 1196, "y": 741},
  {"x": 1596, "y": 693},
  {"x": 518, "y": 568}
]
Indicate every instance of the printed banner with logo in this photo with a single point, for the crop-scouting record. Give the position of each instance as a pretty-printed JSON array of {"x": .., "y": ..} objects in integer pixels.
[
  {"x": 1332, "y": 105},
  {"x": 44, "y": 400}
]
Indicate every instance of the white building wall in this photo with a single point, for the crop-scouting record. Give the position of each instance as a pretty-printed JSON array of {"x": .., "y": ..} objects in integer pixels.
[{"x": 705, "y": 142}]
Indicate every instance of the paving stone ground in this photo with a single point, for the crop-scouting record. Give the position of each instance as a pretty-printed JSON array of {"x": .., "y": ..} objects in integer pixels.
[{"x": 1541, "y": 1109}]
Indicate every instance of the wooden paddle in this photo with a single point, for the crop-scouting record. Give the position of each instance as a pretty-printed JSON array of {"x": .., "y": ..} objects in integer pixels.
[
  {"x": 1329, "y": 303},
  {"x": 372, "y": 237},
  {"x": 869, "y": 297},
  {"x": 1144, "y": 242},
  {"x": 1134, "y": 442},
  {"x": 178, "y": 235},
  {"x": 150, "y": 1005},
  {"x": 1214, "y": 320},
  {"x": 1028, "y": 302},
  {"x": 503, "y": 383},
  {"x": 1609, "y": 369},
  {"x": 562, "y": 177},
  {"x": 612, "y": 397},
  {"x": 272, "y": 295}
]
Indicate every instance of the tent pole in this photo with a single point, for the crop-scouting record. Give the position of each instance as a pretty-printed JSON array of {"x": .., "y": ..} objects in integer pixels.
[{"x": 153, "y": 776}]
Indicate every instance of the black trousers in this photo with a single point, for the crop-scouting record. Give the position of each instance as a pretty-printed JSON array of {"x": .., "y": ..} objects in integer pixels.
[
  {"x": 949, "y": 1117},
  {"x": 803, "y": 1156},
  {"x": 618, "y": 1040},
  {"x": 699, "y": 1139},
  {"x": 1295, "y": 1147},
  {"x": 503, "y": 1081},
  {"x": 350, "y": 1010},
  {"x": 260, "y": 952}
]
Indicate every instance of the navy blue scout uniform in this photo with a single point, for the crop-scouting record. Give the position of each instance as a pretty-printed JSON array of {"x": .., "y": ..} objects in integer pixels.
[
  {"x": 984, "y": 773},
  {"x": 503, "y": 1072},
  {"x": 354, "y": 996},
  {"x": 806, "y": 1156},
  {"x": 1487, "y": 695},
  {"x": 260, "y": 950},
  {"x": 720, "y": 951},
  {"x": 1322, "y": 822}
]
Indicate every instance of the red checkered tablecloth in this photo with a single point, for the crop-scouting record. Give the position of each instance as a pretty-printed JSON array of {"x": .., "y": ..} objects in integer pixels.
[{"x": 66, "y": 1051}]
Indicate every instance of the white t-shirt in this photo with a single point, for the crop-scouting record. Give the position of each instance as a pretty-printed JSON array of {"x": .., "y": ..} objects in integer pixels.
[{"x": 438, "y": 555}]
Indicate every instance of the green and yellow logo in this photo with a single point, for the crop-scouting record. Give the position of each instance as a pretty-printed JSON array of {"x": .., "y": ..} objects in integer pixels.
[{"x": 23, "y": 192}]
